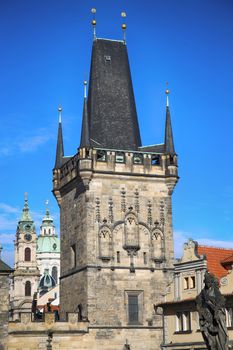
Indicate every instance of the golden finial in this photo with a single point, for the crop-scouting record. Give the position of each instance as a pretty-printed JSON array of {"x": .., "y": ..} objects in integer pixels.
[
  {"x": 167, "y": 92},
  {"x": 59, "y": 112},
  {"x": 93, "y": 22},
  {"x": 123, "y": 26}
]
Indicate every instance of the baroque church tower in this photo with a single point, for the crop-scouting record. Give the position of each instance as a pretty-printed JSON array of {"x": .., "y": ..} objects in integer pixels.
[
  {"x": 115, "y": 199},
  {"x": 26, "y": 274}
]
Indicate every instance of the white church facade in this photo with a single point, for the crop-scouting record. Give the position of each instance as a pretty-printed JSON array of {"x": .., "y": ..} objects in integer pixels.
[{"x": 37, "y": 263}]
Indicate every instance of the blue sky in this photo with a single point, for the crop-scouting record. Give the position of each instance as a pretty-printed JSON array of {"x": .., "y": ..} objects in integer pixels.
[{"x": 45, "y": 56}]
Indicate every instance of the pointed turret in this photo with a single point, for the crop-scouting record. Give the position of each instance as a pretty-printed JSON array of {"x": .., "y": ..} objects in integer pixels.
[
  {"x": 26, "y": 217},
  {"x": 168, "y": 141},
  {"x": 60, "y": 148},
  {"x": 112, "y": 114},
  {"x": 85, "y": 135}
]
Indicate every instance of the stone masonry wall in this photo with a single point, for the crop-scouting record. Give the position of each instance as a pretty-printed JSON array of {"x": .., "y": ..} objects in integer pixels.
[{"x": 4, "y": 305}]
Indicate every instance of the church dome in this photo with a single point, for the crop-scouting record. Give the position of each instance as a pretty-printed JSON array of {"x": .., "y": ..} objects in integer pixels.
[
  {"x": 47, "y": 281},
  {"x": 48, "y": 244}
]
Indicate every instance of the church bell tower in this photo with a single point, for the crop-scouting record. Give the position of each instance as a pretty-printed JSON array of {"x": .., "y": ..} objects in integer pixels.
[
  {"x": 26, "y": 273},
  {"x": 115, "y": 199}
]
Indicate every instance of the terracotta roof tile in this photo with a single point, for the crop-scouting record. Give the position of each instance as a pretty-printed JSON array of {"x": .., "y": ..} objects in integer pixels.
[
  {"x": 228, "y": 260},
  {"x": 214, "y": 257}
]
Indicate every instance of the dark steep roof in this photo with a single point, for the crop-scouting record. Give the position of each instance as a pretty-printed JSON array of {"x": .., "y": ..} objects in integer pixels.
[
  {"x": 111, "y": 106},
  {"x": 85, "y": 136},
  {"x": 4, "y": 267},
  {"x": 60, "y": 148},
  {"x": 168, "y": 142}
]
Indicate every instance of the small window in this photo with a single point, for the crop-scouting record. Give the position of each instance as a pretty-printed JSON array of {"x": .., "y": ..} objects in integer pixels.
[
  {"x": 73, "y": 256},
  {"x": 49, "y": 231},
  {"x": 120, "y": 157},
  {"x": 192, "y": 282},
  {"x": 179, "y": 322},
  {"x": 145, "y": 258},
  {"x": 186, "y": 283},
  {"x": 229, "y": 317},
  {"x": 133, "y": 309},
  {"x": 155, "y": 159},
  {"x": 27, "y": 254},
  {"x": 101, "y": 156},
  {"x": 186, "y": 321},
  {"x": 28, "y": 289},
  {"x": 54, "y": 273},
  {"x": 107, "y": 58},
  {"x": 183, "y": 321},
  {"x": 118, "y": 257},
  {"x": 137, "y": 158}
]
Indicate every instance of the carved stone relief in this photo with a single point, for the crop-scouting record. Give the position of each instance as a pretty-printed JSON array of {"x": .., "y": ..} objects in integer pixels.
[
  {"x": 105, "y": 243},
  {"x": 157, "y": 245}
]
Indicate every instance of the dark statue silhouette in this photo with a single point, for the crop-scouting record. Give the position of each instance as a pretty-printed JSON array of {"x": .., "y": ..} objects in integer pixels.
[{"x": 210, "y": 306}]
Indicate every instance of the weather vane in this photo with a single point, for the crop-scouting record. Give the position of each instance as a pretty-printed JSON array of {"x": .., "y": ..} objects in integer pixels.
[
  {"x": 123, "y": 26},
  {"x": 93, "y": 22}
]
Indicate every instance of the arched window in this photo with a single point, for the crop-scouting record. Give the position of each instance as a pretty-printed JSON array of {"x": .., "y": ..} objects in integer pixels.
[
  {"x": 49, "y": 231},
  {"x": 54, "y": 273},
  {"x": 28, "y": 289},
  {"x": 27, "y": 254}
]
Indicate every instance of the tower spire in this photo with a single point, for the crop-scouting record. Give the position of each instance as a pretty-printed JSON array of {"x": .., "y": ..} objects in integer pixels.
[
  {"x": 26, "y": 215},
  {"x": 168, "y": 141},
  {"x": 60, "y": 148},
  {"x": 85, "y": 135}
]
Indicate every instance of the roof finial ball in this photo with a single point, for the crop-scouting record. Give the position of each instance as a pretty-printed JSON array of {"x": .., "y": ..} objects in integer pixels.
[
  {"x": 123, "y": 26},
  {"x": 93, "y": 22},
  {"x": 167, "y": 92},
  {"x": 85, "y": 88},
  {"x": 59, "y": 111}
]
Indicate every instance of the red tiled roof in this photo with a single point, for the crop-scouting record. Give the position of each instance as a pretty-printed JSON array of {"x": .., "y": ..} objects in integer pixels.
[
  {"x": 214, "y": 257},
  {"x": 45, "y": 308},
  {"x": 228, "y": 260}
]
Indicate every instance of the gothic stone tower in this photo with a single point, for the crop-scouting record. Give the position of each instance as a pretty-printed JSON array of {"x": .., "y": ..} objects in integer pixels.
[
  {"x": 115, "y": 206},
  {"x": 26, "y": 273}
]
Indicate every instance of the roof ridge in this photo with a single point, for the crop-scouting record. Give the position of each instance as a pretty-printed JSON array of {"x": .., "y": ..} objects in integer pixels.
[
  {"x": 117, "y": 40},
  {"x": 220, "y": 248}
]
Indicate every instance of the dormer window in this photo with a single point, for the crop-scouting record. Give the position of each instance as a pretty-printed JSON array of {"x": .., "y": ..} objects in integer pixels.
[
  {"x": 155, "y": 159},
  {"x": 101, "y": 156},
  {"x": 138, "y": 158},
  {"x": 120, "y": 157}
]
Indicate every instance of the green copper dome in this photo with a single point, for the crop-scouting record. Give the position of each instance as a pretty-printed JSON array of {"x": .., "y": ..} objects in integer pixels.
[{"x": 48, "y": 244}]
